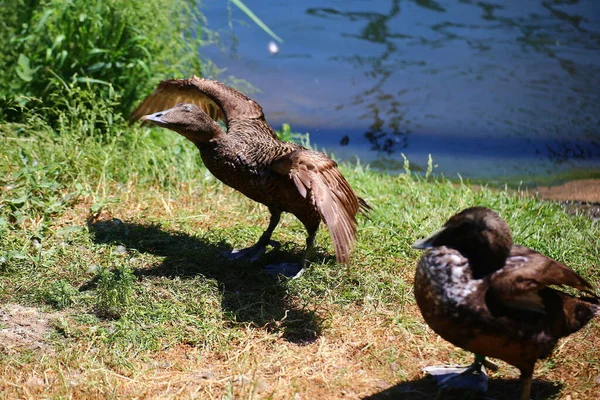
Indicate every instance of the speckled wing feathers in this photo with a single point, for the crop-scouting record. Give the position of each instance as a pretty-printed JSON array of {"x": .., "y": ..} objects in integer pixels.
[
  {"x": 533, "y": 269},
  {"x": 220, "y": 102},
  {"x": 317, "y": 176},
  {"x": 526, "y": 273}
]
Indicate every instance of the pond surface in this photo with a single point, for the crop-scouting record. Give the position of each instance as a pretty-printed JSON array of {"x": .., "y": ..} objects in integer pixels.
[{"x": 504, "y": 90}]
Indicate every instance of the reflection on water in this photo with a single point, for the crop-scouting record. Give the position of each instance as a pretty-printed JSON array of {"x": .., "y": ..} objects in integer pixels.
[
  {"x": 488, "y": 88},
  {"x": 387, "y": 129}
]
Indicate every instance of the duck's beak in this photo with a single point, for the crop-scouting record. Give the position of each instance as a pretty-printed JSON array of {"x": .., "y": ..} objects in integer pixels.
[
  {"x": 155, "y": 118},
  {"x": 158, "y": 117},
  {"x": 427, "y": 243}
]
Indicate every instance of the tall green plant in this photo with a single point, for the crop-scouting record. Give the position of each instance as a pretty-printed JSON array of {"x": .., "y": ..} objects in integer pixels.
[{"x": 116, "y": 48}]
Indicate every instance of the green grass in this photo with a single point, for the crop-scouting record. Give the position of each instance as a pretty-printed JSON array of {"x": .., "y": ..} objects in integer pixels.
[{"x": 119, "y": 238}]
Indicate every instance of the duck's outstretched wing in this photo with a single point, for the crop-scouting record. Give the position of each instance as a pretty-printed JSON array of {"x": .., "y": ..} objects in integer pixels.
[
  {"x": 526, "y": 273},
  {"x": 220, "y": 102},
  {"x": 316, "y": 176}
]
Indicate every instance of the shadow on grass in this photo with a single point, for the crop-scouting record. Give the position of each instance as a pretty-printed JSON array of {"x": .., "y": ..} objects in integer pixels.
[
  {"x": 248, "y": 294},
  {"x": 499, "y": 389}
]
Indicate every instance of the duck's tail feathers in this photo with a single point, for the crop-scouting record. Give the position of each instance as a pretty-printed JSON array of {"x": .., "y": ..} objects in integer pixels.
[
  {"x": 316, "y": 177},
  {"x": 592, "y": 300},
  {"x": 338, "y": 206},
  {"x": 594, "y": 304},
  {"x": 364, "y": 207},
  {"x": 336, "y": 202},
  {"x": 578, "y": 312}
]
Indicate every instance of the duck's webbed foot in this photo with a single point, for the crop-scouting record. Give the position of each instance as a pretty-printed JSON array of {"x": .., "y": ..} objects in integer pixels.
[
  {"x": 251, "y": 253},
  {"x": 294, "y": 270},
  {"x": 473, "y": 377},
  {"x": 289, "y": 270}
]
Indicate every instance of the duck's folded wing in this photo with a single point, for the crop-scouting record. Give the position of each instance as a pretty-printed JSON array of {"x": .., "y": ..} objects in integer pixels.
[
  {"x": 316, "y": 175},
  {"x": 220, "y": 102},
  {"x": 526, "y": 273}
]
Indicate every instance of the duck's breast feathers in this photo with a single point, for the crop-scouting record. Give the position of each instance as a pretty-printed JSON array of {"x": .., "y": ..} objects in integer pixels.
[
  {"x": 526, "y": 273},
  {"x": 449, "y": 279},
  {"x": 316, "y": 177},
  {"x": 220, "y": 102}
]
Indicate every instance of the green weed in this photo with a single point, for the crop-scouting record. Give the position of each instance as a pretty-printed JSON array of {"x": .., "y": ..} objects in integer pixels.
[
  {"x": 60, "y": 294},
  {"x": 286, "y": 134},
  {"x": 115, "y": 289}
]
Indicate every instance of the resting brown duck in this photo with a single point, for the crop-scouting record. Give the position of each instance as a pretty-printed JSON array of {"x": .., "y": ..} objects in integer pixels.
[
  {"x": 481, "y": 292},
  {"x": 249, "y": 157}
]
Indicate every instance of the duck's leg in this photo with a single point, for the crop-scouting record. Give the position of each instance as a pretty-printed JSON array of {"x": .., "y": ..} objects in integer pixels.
[
  {"x": 526, "y": 385},
  {"x": 295, "y": 270},
  {"x": 254, "y": 252},
  {"x": 472, "y": 377}
]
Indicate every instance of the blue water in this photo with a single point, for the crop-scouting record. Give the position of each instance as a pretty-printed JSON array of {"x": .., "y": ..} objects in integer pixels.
[{"x": 489, "y": 89}]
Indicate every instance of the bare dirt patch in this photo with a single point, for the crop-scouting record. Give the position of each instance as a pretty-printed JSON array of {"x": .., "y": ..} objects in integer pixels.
[
  {"x": 24, "y": 328},
  {"x": 581, "y": 197},
  {"x": 585, "y": 190}
]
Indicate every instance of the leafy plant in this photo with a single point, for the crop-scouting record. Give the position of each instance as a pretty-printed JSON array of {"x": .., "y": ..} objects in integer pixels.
[
  {"x": 286, "y": 134},
  {"x": 60, "y": 294},
  {"x": 116, "y": 49},
  {"x": 33, "y": 191},
  {"x": 115, "y": 288}
]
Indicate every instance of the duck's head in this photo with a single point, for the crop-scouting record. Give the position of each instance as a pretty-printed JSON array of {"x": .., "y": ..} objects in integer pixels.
[
  {"x": 188, "y": 120},
  {"x": 479, "y": 234}
]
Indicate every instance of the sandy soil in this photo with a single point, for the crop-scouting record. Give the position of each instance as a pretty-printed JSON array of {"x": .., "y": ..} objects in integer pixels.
[
  {"x": 585, "y": 190},
  {"x": 24, "y": 327},
  {"x": 577, "y": 197}
]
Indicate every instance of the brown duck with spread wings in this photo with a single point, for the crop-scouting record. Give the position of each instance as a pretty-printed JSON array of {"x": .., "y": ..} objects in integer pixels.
[
  {"x": 479, "y": 291},
  {"x": 249, "y": 157}
]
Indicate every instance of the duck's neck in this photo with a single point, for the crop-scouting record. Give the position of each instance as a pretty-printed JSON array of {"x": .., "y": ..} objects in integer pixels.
[
  {"x": 214, "y": 152},
  {"x": 226, "y": 160}
]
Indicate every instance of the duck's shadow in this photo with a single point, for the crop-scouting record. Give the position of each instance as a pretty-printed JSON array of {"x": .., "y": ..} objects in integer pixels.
[
  {"x": 248, "y": 294},
  {"x": 426, "y": 388}
]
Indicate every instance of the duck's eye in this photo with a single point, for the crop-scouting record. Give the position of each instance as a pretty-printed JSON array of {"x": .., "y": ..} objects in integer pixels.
[{"x": 187, "y": 108}]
